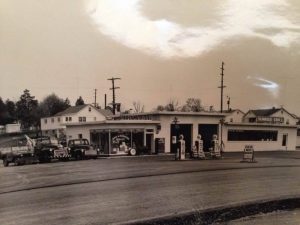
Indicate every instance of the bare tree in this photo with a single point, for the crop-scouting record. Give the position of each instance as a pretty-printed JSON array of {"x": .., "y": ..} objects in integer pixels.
[
  {"x": 138, "y": 107},
  {"x": 173, "y": 105},
  {"x": 160, "y": 108},
  {"x": 192, "y": 105}
]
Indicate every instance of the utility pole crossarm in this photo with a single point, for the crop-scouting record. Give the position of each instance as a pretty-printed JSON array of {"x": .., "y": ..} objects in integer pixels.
[{"x": 113, "y": 92}]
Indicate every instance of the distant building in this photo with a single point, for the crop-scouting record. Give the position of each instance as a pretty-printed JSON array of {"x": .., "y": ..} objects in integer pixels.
[
  {"x": 270, "y": 116},
  {"x": 265, "y": 129},
  {"x": 12, "y": 128},
  {"x": 56, "y": 125}
]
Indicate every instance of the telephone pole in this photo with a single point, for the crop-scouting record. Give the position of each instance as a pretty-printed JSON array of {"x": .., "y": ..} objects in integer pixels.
[
  {"x": 222, "y": 85},
  {"x": 113, "y": 92},
  {"x": 228, "y": 103},
  {"x": 95, "y": 102}
]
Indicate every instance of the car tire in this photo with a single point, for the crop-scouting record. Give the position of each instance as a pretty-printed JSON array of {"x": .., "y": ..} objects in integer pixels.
[
  {"x": 132, "y": 152},
  {"x": 5, "y": 162},
  {"x": 78, "y": 156}
]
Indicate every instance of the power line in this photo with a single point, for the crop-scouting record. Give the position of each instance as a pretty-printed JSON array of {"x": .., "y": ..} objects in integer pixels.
[{"x": 113, "y": 92}]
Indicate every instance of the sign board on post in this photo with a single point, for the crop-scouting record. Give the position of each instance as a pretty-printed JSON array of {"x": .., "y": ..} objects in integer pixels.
[{"x": 248, "y": 154}]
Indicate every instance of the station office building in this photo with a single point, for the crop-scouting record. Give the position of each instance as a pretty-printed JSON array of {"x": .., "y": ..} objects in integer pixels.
[{"x": 266, "y": 129}]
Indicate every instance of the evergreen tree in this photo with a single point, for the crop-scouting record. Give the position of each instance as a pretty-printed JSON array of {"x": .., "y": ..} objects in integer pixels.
[
  {"x": 27, "y": 110},
  {"x": 79, "y": 101}
]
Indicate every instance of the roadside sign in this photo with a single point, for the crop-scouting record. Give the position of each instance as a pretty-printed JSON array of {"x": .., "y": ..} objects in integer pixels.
[{"x": 248, "y": 154}]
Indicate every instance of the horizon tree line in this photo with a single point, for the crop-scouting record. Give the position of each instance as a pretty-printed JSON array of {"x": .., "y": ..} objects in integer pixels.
[{"x": 28, "y": 111}]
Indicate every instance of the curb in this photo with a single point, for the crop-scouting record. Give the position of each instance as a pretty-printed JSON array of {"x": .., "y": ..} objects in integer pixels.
[{"x": 224, "y": 213}]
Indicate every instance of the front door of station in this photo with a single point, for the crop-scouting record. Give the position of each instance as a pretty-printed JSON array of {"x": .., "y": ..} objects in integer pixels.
[
  {"x": 207, "y": 131},
  {"x": 186, "y": 131}
]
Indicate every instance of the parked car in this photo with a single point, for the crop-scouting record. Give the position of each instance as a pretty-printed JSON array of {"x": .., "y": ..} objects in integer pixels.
[
  {"x": 47, "y": 148},
  {"x": 81, "y": 149}
]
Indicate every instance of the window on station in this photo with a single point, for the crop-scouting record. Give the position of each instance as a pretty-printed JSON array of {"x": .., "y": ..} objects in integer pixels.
[
  {"x": 58, "y": 119},
  {"x": 90, "y": 109},
  {"x": 80, "y": 136},
  {"x": 52, "y": 120},
  {"x": 45, "y": 121},
  {"x": 70, "y": 119},
  {"x": 252, "y": 135},
  {"x": 298, "y": 132},
  {"x": 67, "y": 119}
]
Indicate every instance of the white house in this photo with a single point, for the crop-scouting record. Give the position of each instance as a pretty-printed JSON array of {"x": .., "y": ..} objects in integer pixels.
[
  {"x": 56, "y": 125},
  {"x": 234, "y": 116},
  {"x": 265, "y": 129}
]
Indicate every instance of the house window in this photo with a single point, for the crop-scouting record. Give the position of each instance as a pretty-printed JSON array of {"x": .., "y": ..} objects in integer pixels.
[
  {"x": 52, "y": 120},
  {"x": 45, "y": 121},
  {"x": 80, "y": 136},
  {"x": 82, "y": 119},
  {"x": 252, "y": 120}
]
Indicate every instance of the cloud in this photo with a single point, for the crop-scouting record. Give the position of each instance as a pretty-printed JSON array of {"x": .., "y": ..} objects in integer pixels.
[
  {"x": 124, "y": 22},
  {"x": 270, "y": 86}
]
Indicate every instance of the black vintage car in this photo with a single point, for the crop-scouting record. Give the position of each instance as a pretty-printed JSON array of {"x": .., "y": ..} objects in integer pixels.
[
  {"x": 81, "y": 149},
  {"x": 46, "y": 149}
]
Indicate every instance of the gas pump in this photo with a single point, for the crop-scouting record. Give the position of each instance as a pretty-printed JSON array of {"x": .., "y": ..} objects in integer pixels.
[
  {"x": 180, "y": 148},
  {"x": 198, "y": 149},
  {"x": 215, "y": 150}
]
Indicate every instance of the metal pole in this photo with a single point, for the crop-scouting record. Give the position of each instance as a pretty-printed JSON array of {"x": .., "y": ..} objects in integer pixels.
[{"x": 222, "y": 85}]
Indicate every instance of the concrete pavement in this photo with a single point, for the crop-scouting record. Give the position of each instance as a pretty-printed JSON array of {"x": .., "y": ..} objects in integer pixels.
[{"x": 109, "y": 191}]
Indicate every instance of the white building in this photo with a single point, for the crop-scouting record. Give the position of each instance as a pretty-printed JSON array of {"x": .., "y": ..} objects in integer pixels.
[
  {"x": 12, "y": 128},
  {"x": 56, "y": 125},
  {"x": 268, "y": 129}
]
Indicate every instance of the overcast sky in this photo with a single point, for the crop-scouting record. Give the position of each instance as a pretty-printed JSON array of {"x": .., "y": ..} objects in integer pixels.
[{"x": 162, "y": 49}]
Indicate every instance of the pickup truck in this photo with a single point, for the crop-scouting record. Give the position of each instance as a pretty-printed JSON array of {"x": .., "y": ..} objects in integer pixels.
[
  {"x": 47, "y": 148},
  {"x": 81, "y": 149},
  {"x": 18, "y": 150}
]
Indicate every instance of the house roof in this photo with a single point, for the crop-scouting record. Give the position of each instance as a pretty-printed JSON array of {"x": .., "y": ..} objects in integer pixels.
[
  {"x": 232, "y": 110},
  {"x": 76, "y": 109},
  {"x": 265, "y": 112},
  {"x": 71, "y": 110},
  {"x": 105, "y": 112}
]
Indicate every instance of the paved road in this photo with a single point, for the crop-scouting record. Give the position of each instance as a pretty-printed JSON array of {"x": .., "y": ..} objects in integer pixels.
[{"x": 109, "y": 191}]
